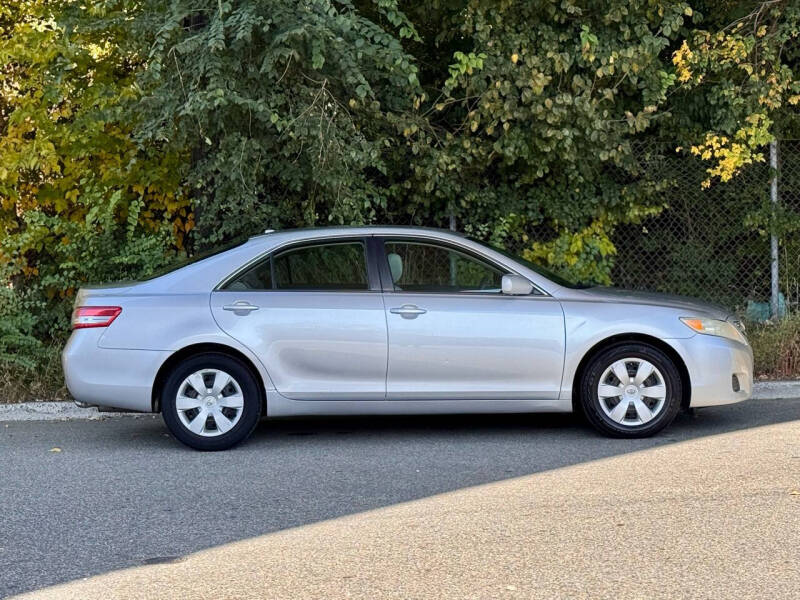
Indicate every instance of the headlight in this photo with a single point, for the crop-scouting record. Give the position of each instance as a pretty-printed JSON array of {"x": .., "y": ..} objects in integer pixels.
[{"x": 714, "y": 327}]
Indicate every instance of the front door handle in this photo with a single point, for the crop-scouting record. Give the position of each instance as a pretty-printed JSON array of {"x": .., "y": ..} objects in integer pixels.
[
  {"x": 408, "y": 311},
  {"x": 240, "y": 306}
]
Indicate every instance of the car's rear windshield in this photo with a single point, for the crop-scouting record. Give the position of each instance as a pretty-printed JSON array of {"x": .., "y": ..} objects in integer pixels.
[
  {"x": 188, "y": 259},
  {"x": 544, "y": 272}
]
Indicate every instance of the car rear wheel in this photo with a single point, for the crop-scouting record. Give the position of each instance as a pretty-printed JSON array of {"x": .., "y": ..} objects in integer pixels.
[
  {"x": 630, "y": 390},
  {"x": 211, "y": 402}
]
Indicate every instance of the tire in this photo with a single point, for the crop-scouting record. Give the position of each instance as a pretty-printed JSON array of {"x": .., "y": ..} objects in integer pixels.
[
  {"x": 231, "y": 413},
  {"x": 638, "y": 409}
]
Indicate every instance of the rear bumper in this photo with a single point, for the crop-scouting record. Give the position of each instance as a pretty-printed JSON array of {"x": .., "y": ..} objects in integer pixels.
[
  {"x": 109, "y": 377},
  {"x": 713, "y": 362}
]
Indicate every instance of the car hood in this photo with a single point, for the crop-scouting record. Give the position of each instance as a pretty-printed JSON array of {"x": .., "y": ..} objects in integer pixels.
[{"x": 691, "y": 306}]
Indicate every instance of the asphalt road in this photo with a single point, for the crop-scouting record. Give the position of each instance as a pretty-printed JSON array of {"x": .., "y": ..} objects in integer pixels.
[{"x": 465, "y": 507}]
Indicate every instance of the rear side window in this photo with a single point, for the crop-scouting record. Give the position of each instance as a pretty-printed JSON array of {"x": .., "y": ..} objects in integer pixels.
[
  {"x": 258, "y": 277},
  {"x": 330, "y": 266},
  {"x": 333, "y": 266}
]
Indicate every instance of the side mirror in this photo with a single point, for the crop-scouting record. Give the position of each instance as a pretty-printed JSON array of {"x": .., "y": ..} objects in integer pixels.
[{"x": 516, "y": 285}]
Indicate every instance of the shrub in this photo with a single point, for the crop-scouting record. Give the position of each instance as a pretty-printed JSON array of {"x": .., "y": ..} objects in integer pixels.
[{"x": 776, "y": 348}]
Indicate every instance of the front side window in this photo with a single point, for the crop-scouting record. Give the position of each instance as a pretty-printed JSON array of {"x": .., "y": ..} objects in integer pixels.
[{"x": 422, "y": 267}]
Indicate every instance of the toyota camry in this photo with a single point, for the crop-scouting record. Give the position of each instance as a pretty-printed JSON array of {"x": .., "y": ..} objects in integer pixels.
[{"x": 393, "y": 320}]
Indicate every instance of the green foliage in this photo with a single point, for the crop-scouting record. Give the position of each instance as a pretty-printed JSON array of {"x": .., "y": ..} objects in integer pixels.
[
  {"x": 17, "y": 345},
  {"x": 746, "y": 70},
  {"x": 285, "y": 109},
  {"x": 79, "y": 201},
  {"x": 536, "y": 118}
]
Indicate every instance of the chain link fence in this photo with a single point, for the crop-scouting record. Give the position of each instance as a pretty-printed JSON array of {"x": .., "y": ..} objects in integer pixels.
[{"x": 713, "y": 242}]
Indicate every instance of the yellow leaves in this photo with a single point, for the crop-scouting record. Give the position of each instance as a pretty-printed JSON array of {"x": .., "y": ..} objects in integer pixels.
[
  {"x": 514, "y": 58},
  {"x": 733, "y": 154},
  {"x": 578, "y": 251},
  {"x": 682, "y": 58}
]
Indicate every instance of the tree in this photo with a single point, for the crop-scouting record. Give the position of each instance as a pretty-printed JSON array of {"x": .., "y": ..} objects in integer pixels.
[
  {"x": 287, "y": 109},
  {"x": 738, "y": 75},
  {"x": 532, "y": 130},
  {"x": 79, "y": 200}
]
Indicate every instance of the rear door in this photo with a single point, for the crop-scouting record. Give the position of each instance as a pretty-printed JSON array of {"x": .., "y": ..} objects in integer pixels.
[
  {"x": 313, "y": 313},
  {"x": 454, "y": 335}
]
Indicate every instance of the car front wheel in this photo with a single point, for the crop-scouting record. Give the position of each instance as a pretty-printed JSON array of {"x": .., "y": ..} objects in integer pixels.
[
  {"x": 211, "y": 402},
  {"x": 630, "y": 390}
]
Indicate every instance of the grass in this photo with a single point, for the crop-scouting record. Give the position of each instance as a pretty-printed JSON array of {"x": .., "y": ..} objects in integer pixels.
[{"x": 776, "y": 350}]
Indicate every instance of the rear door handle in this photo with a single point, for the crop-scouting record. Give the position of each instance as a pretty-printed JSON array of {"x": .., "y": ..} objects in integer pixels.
[
  {"x": 240, "y": 306},
  {"x": 408, "y": 311}
]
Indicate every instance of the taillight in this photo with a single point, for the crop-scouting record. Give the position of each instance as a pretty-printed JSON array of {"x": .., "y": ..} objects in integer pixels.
[{"x": 94, "y": 316}]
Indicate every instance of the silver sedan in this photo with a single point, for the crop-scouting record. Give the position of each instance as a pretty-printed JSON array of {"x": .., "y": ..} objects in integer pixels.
[{"x": 391, "y": 320}]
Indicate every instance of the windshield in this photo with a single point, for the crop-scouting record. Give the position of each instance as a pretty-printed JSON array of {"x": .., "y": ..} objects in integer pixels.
[{"x": 547, "y": 273}]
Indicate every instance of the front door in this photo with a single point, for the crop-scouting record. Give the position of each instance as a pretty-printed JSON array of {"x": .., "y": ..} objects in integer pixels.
[
  {"x": 314, "y": 316},
  {"x": 454, "y": 335}
]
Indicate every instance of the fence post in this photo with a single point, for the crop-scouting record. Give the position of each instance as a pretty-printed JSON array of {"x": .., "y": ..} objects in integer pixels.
[{"x": 773, "y": 238}]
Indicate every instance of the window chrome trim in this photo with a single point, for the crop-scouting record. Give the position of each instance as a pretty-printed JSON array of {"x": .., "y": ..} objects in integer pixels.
[{"x": 419, "y": 234}]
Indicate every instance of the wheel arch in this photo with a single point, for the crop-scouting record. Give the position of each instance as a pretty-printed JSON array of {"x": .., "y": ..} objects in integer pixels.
[
  {"x": 680, "y": 364},
  {"x": 202, "y": 348}
]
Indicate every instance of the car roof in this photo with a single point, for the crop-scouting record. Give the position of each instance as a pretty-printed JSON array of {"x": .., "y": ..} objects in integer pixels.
[{"x": 356, "y": 230}]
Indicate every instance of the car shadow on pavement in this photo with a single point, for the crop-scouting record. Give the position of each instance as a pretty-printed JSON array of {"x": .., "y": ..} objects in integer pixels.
[{"x": 122, "y": 492}]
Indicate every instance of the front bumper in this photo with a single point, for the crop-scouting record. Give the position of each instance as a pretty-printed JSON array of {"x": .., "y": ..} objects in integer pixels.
[
  {"x": 109, "y": 377},
  {"x": 713, "y": 362}
]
